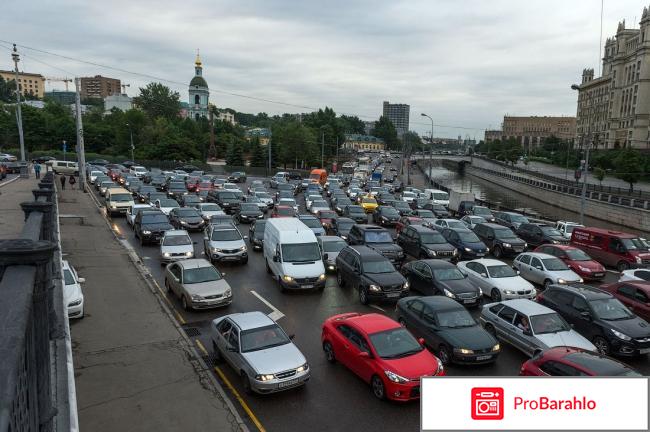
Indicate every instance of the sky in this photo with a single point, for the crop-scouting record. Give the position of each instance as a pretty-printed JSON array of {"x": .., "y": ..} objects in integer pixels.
[{"x": 465, "y": 63}]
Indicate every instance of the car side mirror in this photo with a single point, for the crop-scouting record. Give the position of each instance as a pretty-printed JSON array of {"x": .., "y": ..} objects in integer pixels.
[
  {"x": 205, "y": 237},
  {"x": 484, "y": 275},
  {"x": 421, "y": 341},
  {"x": 539, "y": 268},
  {"x": 585, "y": 315},
  {"x": 518, "y": 272},
  {"x": 81, "y": 280}
]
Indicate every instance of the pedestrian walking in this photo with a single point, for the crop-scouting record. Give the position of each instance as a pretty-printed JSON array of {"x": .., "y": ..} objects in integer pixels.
[
  {"x": 72, "y": 181},
  {"x": 62, "y": 178},
  {"x": 37, "y": 170}
]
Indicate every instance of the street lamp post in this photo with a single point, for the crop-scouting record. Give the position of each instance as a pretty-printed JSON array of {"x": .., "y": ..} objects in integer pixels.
[
  {"x": 431, "y": 149},
  {"x": 19, "y": 114},
  {"x": 585, "y": 168},
  {"x": 132, "y": 146}
]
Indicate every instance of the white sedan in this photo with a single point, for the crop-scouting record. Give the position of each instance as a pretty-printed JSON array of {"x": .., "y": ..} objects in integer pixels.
[
  {"x": 72, "y": 295},
  {"x": 635, "y": 275},
  {"x": 497, "y": 280},
  {"x": 208, "y": 210},
  {"x": 318, "y": 205}
]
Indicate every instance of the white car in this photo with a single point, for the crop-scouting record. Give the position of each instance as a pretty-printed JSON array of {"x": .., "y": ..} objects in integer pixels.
[
  {"x": 497, "y": 280},
  {"x": 566, "y": 228},
  {"x": 312, "y": 198},
  {"x": 265, "y": 197},
  {"x": 72, "y": 295},
  {"x": 635, "y": 275},
  {"x": 138, "y": 171},
  {"x": 93, "y": 176},
  {"x": 132, "y": 212},
  {"x": 289, "y": 202},
  {"x": 166, "y": 205},
  {"x": 208, "y": 210},
  {"x": 471, "y": 221},
  {"x": 544, "y": 269},
  {"x": 441, "y": 224},
  {"x": 318, "y": 205},
  {"x": 176, "y": 245},
  {"x": 230, "y": 186},
  {"x": 409, "y": 197}
]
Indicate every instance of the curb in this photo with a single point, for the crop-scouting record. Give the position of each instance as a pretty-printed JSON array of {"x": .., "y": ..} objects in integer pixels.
[
  {"x": 5, "y": 183},
  {"x": 149, "y": 281}
]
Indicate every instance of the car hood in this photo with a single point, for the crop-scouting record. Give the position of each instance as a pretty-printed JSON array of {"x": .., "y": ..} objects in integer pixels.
[
  {"x": 157, "y": 227},
  {"x": 277, "y": 359},
  {"x": 318, "y": 230},
  {"x": 386, "y": 279},
  {"x": 208, "y": 213},
  {"x": 232, "y": 244},
  {"x": 71, "y": 292},
  {"x": 635, "y": 327},
  {"x": 384, "y": 247},
  {"x": 594, "y": 266},
  {"x": 207, "y": 288},
  {"x": 413, "y": 367},
  {"x": 515, "y": 283},
  {"x": 459, "y": 286},
  {"x": 440, "y": 247},
  {"x": 304, "y": 270},
  {"x": 474, "y": 246},
  {"x": 192, "y": 219},
  {"x": 251, "y": 213},
  {"x": 565, "y": 338},
  {"x": 177, "y": 249},
  {"x": 474, "y": 338},
  {"x": 568, "y": 275},
  {"x": 559, "y": 239}
]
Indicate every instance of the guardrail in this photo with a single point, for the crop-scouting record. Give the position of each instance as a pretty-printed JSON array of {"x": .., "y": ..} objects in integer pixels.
[{"x": 36, "y": 378}]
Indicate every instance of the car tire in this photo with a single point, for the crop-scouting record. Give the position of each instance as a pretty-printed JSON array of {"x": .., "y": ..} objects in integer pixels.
[
  {"x": 246, "y": 383},
  {"x": 547, "y": 283},
  {"x": 268, "y": 268},
  {"x": 185, "y": 304},
  {"x": 601, "y": 345},
  {"x": 339, "y": 279},
  {"x": 363, "y": 295},
  {"x": 490, "y": 329},
  {"x": 328, "y": 349},
  {"x": 444, "y": 354},
  {"x": 495, "y": 295},
  {"x": 621, "y": 266},
  {"x": 378, "y": 387},
  {"x": 497, "y": 252}
]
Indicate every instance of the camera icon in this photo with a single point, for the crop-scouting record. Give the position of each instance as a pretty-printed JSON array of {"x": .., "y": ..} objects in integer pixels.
[{"x": 487, "y": 403}]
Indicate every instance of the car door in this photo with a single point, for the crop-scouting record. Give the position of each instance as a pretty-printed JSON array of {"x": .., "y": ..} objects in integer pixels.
[
  {"x": 412, "y": 315},
  {"x": 471, "y": 270},
  {"x": 522, "y": 334},
  {"x": 341, "y": 344},
  {"x": 504, "y": 325},
  {"x": 429, "y": 328},
  {"x": 573, "y": 313},
  {"x": 223, "y": 330},
  {"x": 411, "y": 242},
  {"x": 358, "y": 364},
  {"x": 483, "y": 282},
  {"x": 415, "y": 276},
  {"x": 627, "y": 296},
  {"x": 642, "y": 305},
  {"x": 232, "y": 352},
  {"x": 175, "y": 280},
  {"x": 536, "y": 270}
]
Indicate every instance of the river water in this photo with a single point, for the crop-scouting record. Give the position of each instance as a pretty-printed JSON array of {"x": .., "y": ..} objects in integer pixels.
[{"x": 497, "y": 195}]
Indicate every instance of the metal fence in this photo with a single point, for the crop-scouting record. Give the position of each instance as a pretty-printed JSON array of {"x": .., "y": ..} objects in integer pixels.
[{"x": 36, "y": 377}]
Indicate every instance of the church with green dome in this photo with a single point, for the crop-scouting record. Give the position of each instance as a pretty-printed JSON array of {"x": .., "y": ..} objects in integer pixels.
[{"x": 199, "y": 92}]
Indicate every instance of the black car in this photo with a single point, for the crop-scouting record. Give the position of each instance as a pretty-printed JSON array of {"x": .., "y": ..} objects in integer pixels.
[
  {"x": 376, "y": 238},
  {"x": 158, "y": 182},
  {"x": 539, "y": 234},
  {"x": 190, "y": 200},
  {"x": 187, "y": 168},
  {"x": 370, "y": 273},
  {"x": 248, "y": 212},
  {"x": 101, "y": 162},
  {"x": 448, "y": 329},
  {"x": 150, "y": 225},
  {"x": 229, "y": 201},
  {"x": 484, "y": 212},
  {"x": 437, "y": 277},
  {"x": 501, "y": 240},
  {"x": 340, "y": 204},
  {"x": 468, "y": 244},
  {"x": 438, "y": 210},
  {"x": 422, "y": 242},
  {"x": 341, "y": 227},
  {"x": 600, "y": 317},
  {"x": 356, "y": 213},
  {"x": 256, "y": 234},
  {"x": 385, "y": 216},
  {"x": 144, "y": 191},
  {"x": 186, "y": 218},
  {"x": 176, "y": 189},
  {"x": 511, "y": 220},
  {"x": 237, "y": 177},
  {"x": 403, "y": 208}
]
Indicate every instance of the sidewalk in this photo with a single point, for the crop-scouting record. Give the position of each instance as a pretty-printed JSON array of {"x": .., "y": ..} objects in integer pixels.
[
  {"x": 134, "y": 370},
  {"x": 12, "y": 217}
]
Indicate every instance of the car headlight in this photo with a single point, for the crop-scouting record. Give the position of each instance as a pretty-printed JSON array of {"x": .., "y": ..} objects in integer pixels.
[
  {"x": 554, "y": 241},
  {"x": 561, "y": 281},
  {"x": 183, "y": 222},
  {"x": 496, "y": 347},
  {"x": 581, "y": 280},
  {"x": 166, "y": 254},
  {"x": 287, "y": 278},
  {"x": 189, "y": 253},
  {"x": 467, "y": 249},
  {"x": 228, "y": 292},
  {"x": 395, "y": 378},
  {"x": 620, "y": 335},
  {"x": 638, "y": 260},
  {"x": 525, "y": 245},
  {"x": 321, "y": 277},
  {"x": 449, "y": 293},
  {"x": 215, "y": 250},
  {"x": 405, "y": 286},
  {"x": 196, "y": 297},
  {"x": 432, "y": 253},
  {"x": 146, "y": 232},
  {"x": 268, "y": 377},
  {"x": 344, "y": 237},
  {"x": 243, "y": 248},
  {"x": 331, "y": 267},
  {"x": 456, "y": 252},
  {"x": 463, "y": 351},
  {"x": 374, "y": 288},
  {"x": 584, "y": 269},
  {"x": 507, "y": 245},
  {"x": 302, "y": 368},
  {"x": 400, "y": 254},
  {"x": 75, "y": 303},
  {"x": 113, "y": 205},
  {"x": 509, "y": 292}
]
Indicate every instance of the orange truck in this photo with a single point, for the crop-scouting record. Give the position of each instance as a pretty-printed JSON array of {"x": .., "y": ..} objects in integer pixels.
[{"x": 318, "y": 175}]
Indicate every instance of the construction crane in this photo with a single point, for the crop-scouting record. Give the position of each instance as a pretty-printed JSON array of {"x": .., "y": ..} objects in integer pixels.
[{"x": 64, "y": 80}]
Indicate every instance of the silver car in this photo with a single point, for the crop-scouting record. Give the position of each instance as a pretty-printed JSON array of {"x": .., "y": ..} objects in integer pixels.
[
  {"x": 544, "y": 269},
  {"x": 530, "y": 327},
  {"x": 225, "y": 242},
  {"x": 176, "y": 245},
  {"x": 330, "y": 247},
  {"x": 471, "y": 221},
  {"x": 208, "y": 210},
  {"x": 259, "y": 351},
  {"x": 198, "y": 284}
]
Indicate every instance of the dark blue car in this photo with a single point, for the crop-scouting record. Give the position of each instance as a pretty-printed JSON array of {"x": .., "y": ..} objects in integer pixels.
[{"x": 468, "y": 244}]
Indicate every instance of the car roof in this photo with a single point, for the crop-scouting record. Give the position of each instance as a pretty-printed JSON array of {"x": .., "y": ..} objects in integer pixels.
[
  {"x": 538, "y": 255},
  {"x": 421, "y": 228},
  {"x": 524, "y": 306},
  {"x": 587, "y": 291},
  {"x": 329, "y": 238},
  {"x": 604, "y": 231},
  {"x": 494, "y": 226},
  {"x": 368, "y": 227},
  {"x": 223, "y": 226},
  {"x": 174, "y": 232},
  {"x": 487, "y": 262},
  {"x": 194, "y": 263},
  {"x": 373, "y": 322},
  {"x": 558, "y": 246},
  {"x": 440, "y": 302},
  {"x": 344, "y": 219},
  {"x": 250, "y": 320},
  {"x": 437, "y": 264},
  {"x": 365, "y": 251}
]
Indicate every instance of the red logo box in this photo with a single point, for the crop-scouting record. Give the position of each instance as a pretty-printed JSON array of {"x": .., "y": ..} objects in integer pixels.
[{"x": 487, "y": 403}]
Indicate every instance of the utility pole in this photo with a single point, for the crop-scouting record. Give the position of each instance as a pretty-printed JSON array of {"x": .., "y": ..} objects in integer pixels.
[
  {"x": 322, "y": 150},
  {"x": 337, "y": 152},
  {"x": 19, "y": 114},
  {"x": 269, "y": 146},
  {"x": 212, "y": 147},
  {"x": 132, "y": 146},
  {"x": 431, "y": 150},
  {"x": 585, "y": 168},
  {"x": 81, "y": 152}
]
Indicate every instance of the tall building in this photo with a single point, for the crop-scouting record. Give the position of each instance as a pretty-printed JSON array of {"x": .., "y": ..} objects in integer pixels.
[
  {"x": 28, "y": 83},
  {"x": 363, "y": 142},
  {"x": 492, "y": 135},
  {"x": 532, "y": 130},
  {"x": 62, "y": 97},
  {"x": 120, "y": 101},
  {"x": 614, "y": 109},
  {"x": 99, "y": 87},
  {"x": 399, "y": 115},
  {"x": 199, "y": 92}
]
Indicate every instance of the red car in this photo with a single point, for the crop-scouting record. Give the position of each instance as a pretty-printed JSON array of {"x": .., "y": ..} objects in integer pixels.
[
  {"x": 381, "y": 352},
  {"x": 569, "y": 361},
  {"x": 283, "y": 211},
  {"x": 205, "y": 186},
  {"x": 192, "y": 184},
  {"x": 405, "y": 221},
  {"x": 326, "y": 217},
  {"x": 633, "y": 294},
  {"x": 577, "y": 260}
]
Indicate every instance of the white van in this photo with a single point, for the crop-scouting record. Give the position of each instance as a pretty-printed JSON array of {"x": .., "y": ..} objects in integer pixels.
[
  {"x": 65, "y": 167},
  {"x": 292, "y": 254},
  {"x": 118, "y": 200},
  {"x": 138, "y": 171},
  {"x": 437, "y": 196}
]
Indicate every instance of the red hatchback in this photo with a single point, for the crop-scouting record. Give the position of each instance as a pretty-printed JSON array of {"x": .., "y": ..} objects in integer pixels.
[
  {"x": 633, "y": 294},
  {"x": 569, "y": 361},
  {"x": 205, "y": 186},
  {"x": 326, "y": 217},
  {"x": 576, "y": 259},
  {"x": 381, "y": 352}
]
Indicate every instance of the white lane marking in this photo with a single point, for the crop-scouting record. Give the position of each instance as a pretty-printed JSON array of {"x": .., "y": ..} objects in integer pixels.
[
  {"x": 276, "y": 314},
  {"x": 613, "y": 272},
  {"x": 377, "y": 307}
]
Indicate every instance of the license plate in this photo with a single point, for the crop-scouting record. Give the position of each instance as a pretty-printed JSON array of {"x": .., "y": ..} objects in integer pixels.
[
  {"x": 599, "y": 274},
  {"x": 231, "y": 258},
  {"x": 307, "y": 286},
  {"x": 288, "y": 383},
  {"x": 644, "y": 351},
  {"x": 392, "y": 295},
  {"x": 480, "y": 254},
  {"x": 483, "y": 357},
  {"x": 469, "y": 301}
]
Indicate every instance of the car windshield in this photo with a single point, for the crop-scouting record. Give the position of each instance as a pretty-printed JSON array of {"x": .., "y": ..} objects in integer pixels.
[
  {"x": 438, "y": 207},
  {"x": 345, "y": 225},
  {"x": 432, "y": 238},
  {"x": 210, "y": 207},
  {"x": 329, "y": 214},
  {"x": 632, "y": 243},
  {"x": 262, "y": 195},
  {"x": 311, "y": 223},
  {"x": 457, "y": 318},
  {"x": 227, "y": 195},
  {"x": 548, "y": 323},
  {"x": 285, "y": 211},
  {"x": 226, "y": 235},
  {"x": 334, "y": 246},
  {"x": 448, "y": 274},
  {"x": 186, "y": 212},
  {"x": 356, "y": 210},
  {"x": 378, "y": 266},
  {"x": 504, "y": 234},
  {"x": 395, "y": 343},
  {"x": 468, "y": 237},
  {"x": 610, "y": 309},
  {"x": 300, "y": 252},
  {"x": 501, "y": 271},
  {"x": 263, "y": 338},
  {"x": 569, "y": 228},
  {"x": 168, "y": 203},
  {"x": 177, "y": 186},
  {"x": 68, "y": 277},
  {"x": 154, "y": 218},
  {"x": 377, "y": 236},
  {"x": 577, "y": 255},
  {"x": 518, "y": 218},
  {"x": 401, "y": 205},
  {"x": 288, "y": 202},
  {"x": 177, "y": 240},
  {"x": 550, "y": 231},
  {"x": 440, "y": 196},
  {"x": 121, "y": 197},
  {"x": 426, "y": 214},
  {"x": 478, "y": 210},
  {"x": 554, "y": 264},
  {"x": 319, "y": 203},
  {"x": 249, "y": 207},
  {"x": 200, "y": 275}
]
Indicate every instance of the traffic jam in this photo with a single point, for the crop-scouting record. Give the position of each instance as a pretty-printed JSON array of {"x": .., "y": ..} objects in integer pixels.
[{"x": 284, "y": 274}]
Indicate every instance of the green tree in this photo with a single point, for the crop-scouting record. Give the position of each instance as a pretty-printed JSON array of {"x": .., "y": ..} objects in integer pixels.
[
  {"x": 629, "y": 167},
  {"x": 258, "y": 156},
  {"x": 385, "y": 130},
  {"x": 352, "y": 124},
  {"x": 234, "y": 155},
  {"x": 7, "y": 90},
  {"x": 599, "y": 173},
  {"x": 157, "y": 100}
]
